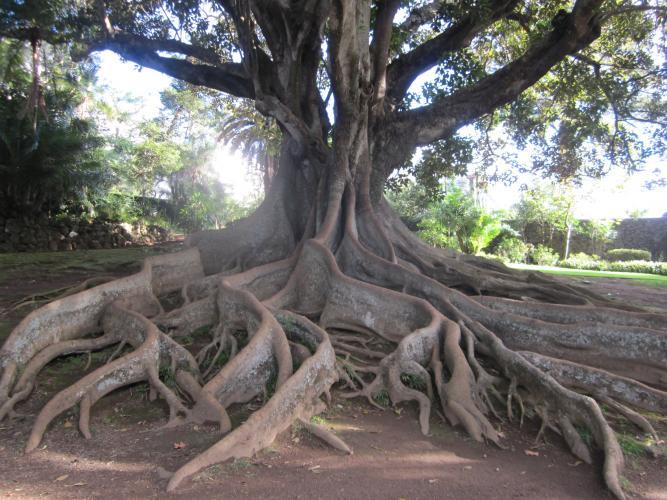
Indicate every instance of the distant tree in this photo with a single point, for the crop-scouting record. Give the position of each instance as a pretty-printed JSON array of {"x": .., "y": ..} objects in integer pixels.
[
  {"x": 51, "y": 154},
  {"x": 546, "y": 208}
]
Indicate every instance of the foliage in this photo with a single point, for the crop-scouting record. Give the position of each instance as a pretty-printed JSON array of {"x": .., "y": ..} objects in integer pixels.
[
  {"x": 51, "y": 154},
  {"x": 594, "y": 263},
  {"x": 512, "y": 250},
  {"x": 639, "y": 266},
  {"x": 411, "y": 202},
  {"x": 544, "y": 210},
  {"x": 456, "y": 221},
  {"x": 164, "y": 166},
  {"x": 582, "y": 260},
  {"x": 255, "y": 136},
  {"x": 604, "y": 104},
  {"x": 599, "y": 233},
  {"x": 626, "y": 254},
  {"x": 543, "y": 256}
]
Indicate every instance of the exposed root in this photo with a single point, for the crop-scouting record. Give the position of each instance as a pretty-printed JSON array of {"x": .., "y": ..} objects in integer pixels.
[
  {"x": 363, "y": 302},
  {"x": 59, "y": 293},
  {"x": 152, "y": 348},
  {"x": 326, "y": 435},
  {"x": 298, "y": 397},
  {"x": 79, "y": 315}
]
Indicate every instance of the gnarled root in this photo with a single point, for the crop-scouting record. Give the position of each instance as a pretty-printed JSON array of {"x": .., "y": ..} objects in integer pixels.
[
  {"x": 79, "y": 315},
  {"x": 153, "y": 349},
  {"x": 363, "y": 302},
  {"x": 298, "y": 397}
]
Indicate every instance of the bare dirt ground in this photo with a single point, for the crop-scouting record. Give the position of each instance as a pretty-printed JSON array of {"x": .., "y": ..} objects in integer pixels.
[{"x": 130, "y": 456}]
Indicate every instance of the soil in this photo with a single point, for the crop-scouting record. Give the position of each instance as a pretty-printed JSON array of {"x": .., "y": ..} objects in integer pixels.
[{"x": 131, "y": 456}]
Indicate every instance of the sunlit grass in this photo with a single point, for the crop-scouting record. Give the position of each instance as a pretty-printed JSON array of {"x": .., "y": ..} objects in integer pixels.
[
  {"x": 79, "y": 260},
  {"x": 641, "y": 278}
]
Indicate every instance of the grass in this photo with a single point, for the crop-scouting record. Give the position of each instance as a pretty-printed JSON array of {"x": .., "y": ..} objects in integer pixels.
[
  {"x": 654, "y": 280},
  {"x": 318, "y": 420},
  {"x": 80, "y": 260},
  {"x": 382, "y": 398}
]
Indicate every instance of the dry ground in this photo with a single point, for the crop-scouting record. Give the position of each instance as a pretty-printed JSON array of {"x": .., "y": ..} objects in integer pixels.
[{"x": 130, "y": 456}]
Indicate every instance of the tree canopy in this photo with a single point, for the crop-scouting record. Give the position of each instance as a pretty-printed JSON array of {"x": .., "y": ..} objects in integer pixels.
[{"x": 582, "y": 85}]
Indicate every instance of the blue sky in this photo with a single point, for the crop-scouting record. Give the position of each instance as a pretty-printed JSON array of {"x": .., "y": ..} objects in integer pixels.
[{"x": 614, "y": 196}]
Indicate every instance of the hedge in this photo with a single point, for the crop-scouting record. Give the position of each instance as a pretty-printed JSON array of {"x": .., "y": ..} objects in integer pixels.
[
  {"x": 591, "y": 263},
  {"x": 627, "y": 254}
]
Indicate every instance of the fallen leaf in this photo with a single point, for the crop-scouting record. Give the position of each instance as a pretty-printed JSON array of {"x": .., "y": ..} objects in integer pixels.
[
  {"x": 431, "y": 481},
  {"x": 577, "y": 462},
  {"x": 180, "y": 445},
  {"x": 78, "y": 484},
  {"x": 62, "y": 478},
  {"x": 314, "y": 467},
  {"x": 467, "y": 467},
  {"x": 68, "y": 423},
  {"x": 532, "y": 453}
]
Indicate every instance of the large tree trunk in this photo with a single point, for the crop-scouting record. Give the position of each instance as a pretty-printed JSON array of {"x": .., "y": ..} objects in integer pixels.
[
  {"x": 323, "y": 279},
  {"x": 329, "y": 285}
]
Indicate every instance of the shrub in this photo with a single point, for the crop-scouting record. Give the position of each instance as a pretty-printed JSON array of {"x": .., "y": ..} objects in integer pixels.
[
  {"x": 584, "y": 261},
  {"x": 626, "y": 254},
  {"x": 512, "y": 250},
  {"x": 544, "y": 256},
  {"x": 491, "y": 256},
  {"x": 639, "y": 266}
]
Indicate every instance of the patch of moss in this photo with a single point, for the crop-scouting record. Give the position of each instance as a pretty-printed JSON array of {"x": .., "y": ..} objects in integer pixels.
[{"x": 414, "y": 382}]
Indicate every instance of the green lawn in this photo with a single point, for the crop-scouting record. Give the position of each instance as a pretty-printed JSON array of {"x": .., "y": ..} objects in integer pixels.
[
  {"x": 12, "y": 264},
  {"x": 641, "y": 278}
]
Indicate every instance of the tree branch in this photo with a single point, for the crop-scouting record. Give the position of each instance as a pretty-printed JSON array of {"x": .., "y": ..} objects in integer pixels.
[
  {"x": 407, "y": 67},
  {"x": 380, "y": 47},
  {"x": 632, "y": 8},
  {"x": 419, "y": 16},
  {"x": 424, "y": 125},
  {"x": 227, "y": 77}
]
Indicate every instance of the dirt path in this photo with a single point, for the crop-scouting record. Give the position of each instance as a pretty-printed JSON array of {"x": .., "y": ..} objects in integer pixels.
[{"x": 130, "y": 456}]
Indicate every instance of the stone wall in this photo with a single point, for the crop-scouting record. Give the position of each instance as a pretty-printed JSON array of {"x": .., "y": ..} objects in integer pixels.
[
  {"x": 24, "y": 234},
  {"x": 648, "y": 234}
]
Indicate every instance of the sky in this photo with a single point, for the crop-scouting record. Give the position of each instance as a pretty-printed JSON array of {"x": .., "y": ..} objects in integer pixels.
[{"x": 614, "y": 196}]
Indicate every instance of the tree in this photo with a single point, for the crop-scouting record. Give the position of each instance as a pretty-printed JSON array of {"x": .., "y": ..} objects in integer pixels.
[
  {"x": 324, "y": 266},
  {"x": 255, "y": 136},
  {"x": 456, "y": 221},
  {"x": 547, "y": 209},
  {"x": 51, "y": 153}
]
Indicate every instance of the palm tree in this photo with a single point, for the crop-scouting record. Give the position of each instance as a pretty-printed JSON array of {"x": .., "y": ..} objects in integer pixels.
[{"x": 255, "y": 137}]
